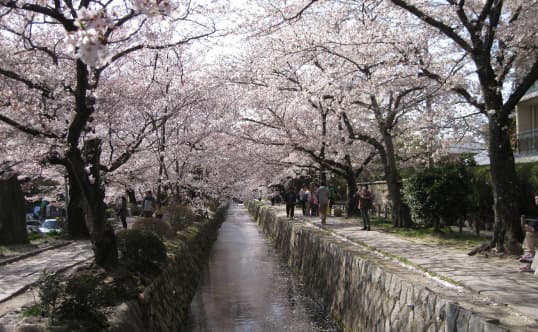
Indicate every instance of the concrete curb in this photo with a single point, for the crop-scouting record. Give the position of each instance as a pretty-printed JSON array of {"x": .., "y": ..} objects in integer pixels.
[
  {"x": 26, "y": 287},
  {"x": 33, "y": 253}
]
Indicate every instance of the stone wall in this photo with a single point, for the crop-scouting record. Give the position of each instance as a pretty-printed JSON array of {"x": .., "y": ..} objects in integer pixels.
[
  {"x": 363, "y": 291},
  {"x": 164, "y": 304}
]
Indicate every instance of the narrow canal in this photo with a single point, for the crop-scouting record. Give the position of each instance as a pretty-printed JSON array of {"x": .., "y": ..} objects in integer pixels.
[{"x": 247, "y": 287}]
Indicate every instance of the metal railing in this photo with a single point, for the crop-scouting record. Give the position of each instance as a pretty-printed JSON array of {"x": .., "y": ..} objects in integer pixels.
[{"x": 527, "y": 142}]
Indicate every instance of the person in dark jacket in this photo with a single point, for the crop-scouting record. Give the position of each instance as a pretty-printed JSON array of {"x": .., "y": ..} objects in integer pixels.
[
  {"x": 291, "y": 198},
  {"x": 365, "y": 203},
  {"x": 122, "y": 211}
]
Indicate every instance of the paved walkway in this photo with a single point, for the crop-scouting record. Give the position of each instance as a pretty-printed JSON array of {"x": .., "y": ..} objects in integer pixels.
[
  {"x": 497, "y": 279},
  {"x": 15, "y": 277}
]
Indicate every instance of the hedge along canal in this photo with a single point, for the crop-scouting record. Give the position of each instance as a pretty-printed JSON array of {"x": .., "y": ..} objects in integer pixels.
[
  {"x": 164, "y": 304},
  {"x": 364, "y": 291},
  {"x": 247, "y": 287}
]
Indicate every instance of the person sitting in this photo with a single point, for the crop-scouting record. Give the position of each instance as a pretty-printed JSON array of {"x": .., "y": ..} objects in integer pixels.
[{"x": 530, "y": 241}]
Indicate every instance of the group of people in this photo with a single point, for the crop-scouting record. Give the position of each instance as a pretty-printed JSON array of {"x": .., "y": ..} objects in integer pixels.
[
  {"x": 315, "y": 201},
  {"x": 150, "y": 208}
]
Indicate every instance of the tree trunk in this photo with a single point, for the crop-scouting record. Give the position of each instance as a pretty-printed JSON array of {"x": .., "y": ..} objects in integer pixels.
[
  {"x": 13, "y": 217},
  {"x": 131, "y": 195},
  {"x": 76, "y": 222},
  {"x": 507, "y": 229},
  {"x": 101, "y": 233},
  {"x": 350, "y": 194},
  {"x": 400, "y": 213}
]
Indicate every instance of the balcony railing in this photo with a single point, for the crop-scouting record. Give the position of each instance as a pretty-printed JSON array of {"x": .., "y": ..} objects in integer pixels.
[{"x": 527, "y": 142}]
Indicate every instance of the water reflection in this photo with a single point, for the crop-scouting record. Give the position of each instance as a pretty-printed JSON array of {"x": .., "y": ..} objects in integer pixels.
[{"x": 245, "y": 286}]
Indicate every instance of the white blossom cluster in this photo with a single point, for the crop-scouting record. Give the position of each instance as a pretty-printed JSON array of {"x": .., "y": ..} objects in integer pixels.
[{"x": 89, "y": 41}]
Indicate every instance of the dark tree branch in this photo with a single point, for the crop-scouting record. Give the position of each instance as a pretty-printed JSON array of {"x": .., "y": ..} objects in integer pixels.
[
  {"x": 300, "y": 12},
  {"x": 68, "y": 24},
  {"x": 46, "y": 92},
  {"x": 521, "y": 89},
  {"x": 442, "y": 27},
  {"x": 25, "y": 129}
]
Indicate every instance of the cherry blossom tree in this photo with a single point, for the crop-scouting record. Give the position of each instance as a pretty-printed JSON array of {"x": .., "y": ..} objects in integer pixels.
[
  {"x": 370, "y": 73},
  {"x": 499, "y": 40},
  {"x": 289, "y": 101},
  {"x": 55, "y": 58}
]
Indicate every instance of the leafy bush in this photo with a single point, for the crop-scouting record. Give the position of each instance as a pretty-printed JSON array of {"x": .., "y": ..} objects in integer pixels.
[
  {"x": 111, "y": 212},
  {"x": 438, "y": 193},
  {"x": 84, "y": 293},
  {"x": 528, "y": 184},
  {"x": 32, "y": 311},
  {"x": 479, "y": 198},
  {"x": 160, "y": 227},
  {"x": 50, "y": 292},
  {"x": 135, "y": 209},
  {"x": 178, "y": 216},
  {"x": 140, "y": 250},
  {"x": 213, "y": 205},
  {"x": 76, "y": 299}
]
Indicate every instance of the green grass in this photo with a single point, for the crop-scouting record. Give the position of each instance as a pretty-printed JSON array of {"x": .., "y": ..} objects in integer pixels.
[
  {"x": 447, "y": 237},
  {"x": 33, "y": 311},
  {"x": 5, "y": 251}
]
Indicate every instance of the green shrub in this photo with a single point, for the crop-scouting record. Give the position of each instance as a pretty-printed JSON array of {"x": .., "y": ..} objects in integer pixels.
[
  {"x": 84, "y": 294},
  {"x": 111, "y": 212},
  {"x": 50, "y": 292},
  {"x": 160, "y": 227},
  {"x": 479, "y": 198},
  {"x": 135, "y": 209},
  {"x": 78, "y": 298},
  {"x": 32, "y": 311},
  {"x": 178, "y": 216},
  {"x": 438, "y": 193},
  {"x": 528, "y": 184},
  {"x": 140, "y": 251},
  {"x": 213, "y": 205}
]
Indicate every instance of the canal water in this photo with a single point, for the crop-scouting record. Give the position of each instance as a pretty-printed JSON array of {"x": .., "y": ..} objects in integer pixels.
[{"x": 247, "y": 287}]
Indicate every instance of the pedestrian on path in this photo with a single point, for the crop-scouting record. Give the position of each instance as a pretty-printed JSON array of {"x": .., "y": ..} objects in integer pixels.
[
  {"x": 322, "y": 195},
  {"x": 291, "y": 199},
  {"x": 148, "y": 205},
  {"x": 302, "y": 198},
  {"x": 122, "y": 211},
  {"x": 530, "y": 241},
  {"x": 365, "y": 203},
  {"x": 306, "y": 198},
  {"x": 314, "y": 204}
]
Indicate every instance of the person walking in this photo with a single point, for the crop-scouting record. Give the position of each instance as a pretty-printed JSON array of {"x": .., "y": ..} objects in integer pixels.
[
  {"x": 148, "y": 205},
  {"x": 302, "y": 198},
  {"x": 332, "y": 198},
  {"x": 322, "y": 195},
  {"x": 306, "y": 198},
  {"x": 314, "y": 207},
  {"x": 122, "y": 211},
  {"x": 291, "y": 199},
  {"x": 365, "y": 203}
]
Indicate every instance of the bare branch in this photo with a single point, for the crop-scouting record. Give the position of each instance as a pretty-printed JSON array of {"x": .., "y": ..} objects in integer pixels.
[
  {"x": 26, "y": 129},
  {"x": 442, "y": 27}
]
